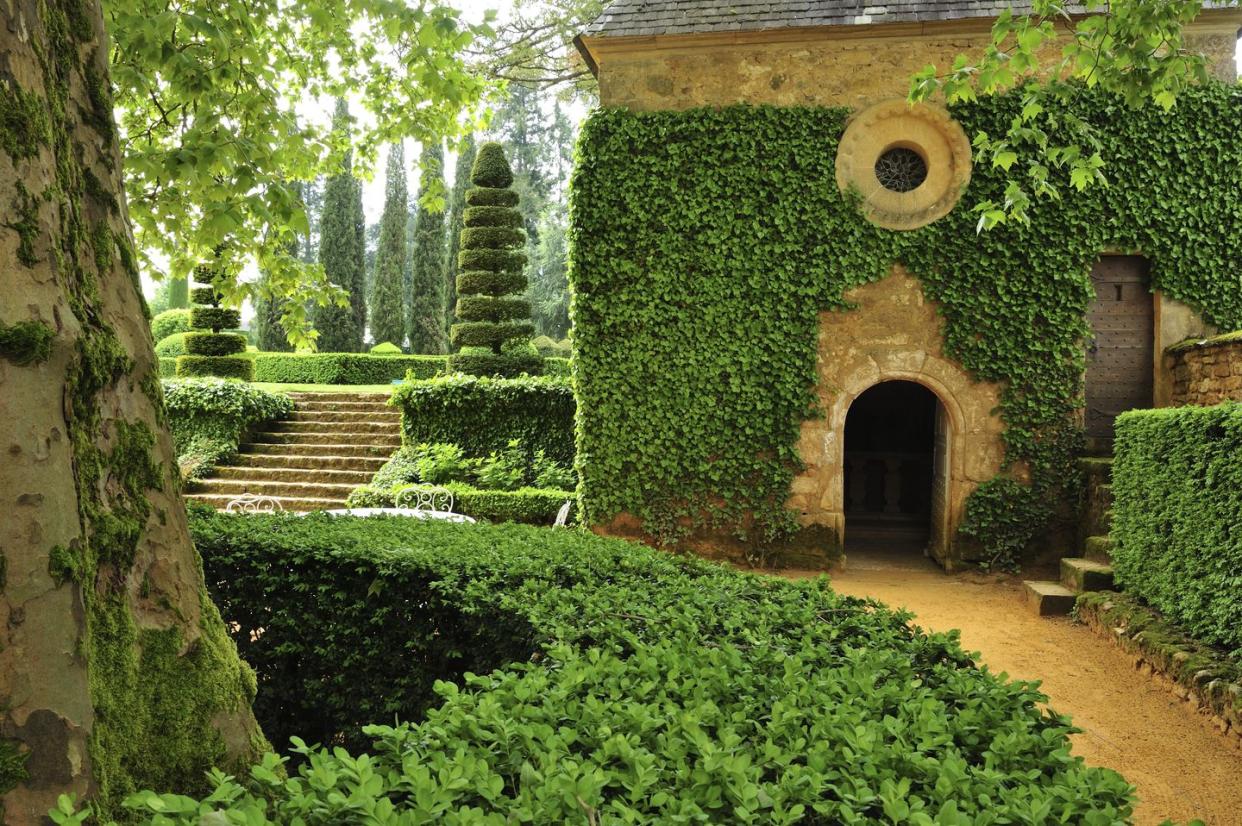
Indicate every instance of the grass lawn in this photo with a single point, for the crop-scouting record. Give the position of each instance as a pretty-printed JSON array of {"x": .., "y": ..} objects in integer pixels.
[{"x": 323, "y": 388}]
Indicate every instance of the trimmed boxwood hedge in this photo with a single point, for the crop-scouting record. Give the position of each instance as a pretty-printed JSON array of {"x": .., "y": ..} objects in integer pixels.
[
  {"x": 214, "y": 318},
  {"x": 488, "y": 308},
  {"x": 492, "y": 216},
  {"x": 343, "y": 368},
  {"x": 617, "y": 685},
  {"x": 214, "y": 344},
  {"x": 492, "y": 283},
  {"x": 529, "y": 506},
  {"x": 489, "y": 334},
  {"x": 483, "y": 196},
  {"x": 504, "y": 366},
  {"x": 482, "y": 415},
  {"x": 226, "y": 367},
  {"x": 1177, "y": 483}
]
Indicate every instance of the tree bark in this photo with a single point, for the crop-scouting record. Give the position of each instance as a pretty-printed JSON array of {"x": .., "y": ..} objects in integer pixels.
[{"x": 115, "y": 669}]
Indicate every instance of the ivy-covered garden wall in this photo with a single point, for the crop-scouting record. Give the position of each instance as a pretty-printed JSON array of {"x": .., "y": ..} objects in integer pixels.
[{"x": 705, "y": 243}]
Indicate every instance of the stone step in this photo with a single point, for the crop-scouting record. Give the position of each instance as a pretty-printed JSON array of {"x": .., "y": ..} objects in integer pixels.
[
  {"x": 1098, "y": 549},
  {"x": 309, "y": 490},
  {"x": 288, "y": 503},
  {"x": 386, "y": 415},
  {"x": 286, "y": 448},
  {"x": 293, "y": 474},
  {"x": 1048, "y": 599},
  {"x": 369, "y": 464},
  {"x": 360, "y": 426},
  {"x": 300, "y": 396},
  {"x": 389, "y": 441},
  {"x": 1080, "y": 575},
  {"x": 345, "y": 407},
  {"x": 1097, "y": 466}
]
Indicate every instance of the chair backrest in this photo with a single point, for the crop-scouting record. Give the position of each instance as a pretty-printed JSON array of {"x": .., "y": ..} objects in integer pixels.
[
  {"x": 562, "y": 516},
  {"x": 253, "y": 503},
  {"x": 425, "y": 498}
]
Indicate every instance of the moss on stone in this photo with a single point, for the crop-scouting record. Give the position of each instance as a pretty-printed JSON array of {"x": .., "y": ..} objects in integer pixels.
[
  {"x": 23, "y": 121},
  {"x": 26, "y": 342},
  {"x": 12, "y": 768},
  {"x": 65, "y": 564},
  {"x": 156, "y": 699}
]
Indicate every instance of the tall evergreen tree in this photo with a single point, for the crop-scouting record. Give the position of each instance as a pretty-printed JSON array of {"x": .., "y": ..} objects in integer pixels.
[
  {"x": 358, "y": 295},
  {"x": 461, "y": 182},
  {"x": 388, "y": 287},
  {"x": 427, "y": 309},
  {"x": 341, "y": 253}
]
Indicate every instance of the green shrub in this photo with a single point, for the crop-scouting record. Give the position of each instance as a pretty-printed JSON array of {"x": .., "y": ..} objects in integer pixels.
[
  {"x": 492, "y": 216},
  {"x": 343, "y": 368},
  {"x": 497, "y": 261},
  {"x": 434, "y": 464},
  {"x": 493, "y": 237},
  {"x": 492, "y": 283},
  {"x": 386, "y": 348},
  {"x": 484, "y": 197},
  {"x": 483, "y": 415},
  {"x": 488, "y": 334},
  {"x": 486, "y": 308},
  {"x": 616, "y": 685},
  {"x": 206, "y": 296},
  {"x": 226, "y": 367},
  {"x": 168, "y": 368},
  {"x": 504, "y": 366},
  {"x": 1177, "y": 483},
  {"x": 491, "y": 168},
  {"x": 214, "y": 318},
  {"x": 526, "y": 506},
  {"x": 208, "y": 418},
  {"x": 170, "y": 322},
  {"x": 560, "y": 367},
  {"x": 441, "y": 463},
  {"x": 214, "y": 344},
  {"x": 171, "y": 346}
]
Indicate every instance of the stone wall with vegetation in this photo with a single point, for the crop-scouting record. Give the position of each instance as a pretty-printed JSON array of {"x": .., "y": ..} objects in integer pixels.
[{"x": 1206, "y": 372}]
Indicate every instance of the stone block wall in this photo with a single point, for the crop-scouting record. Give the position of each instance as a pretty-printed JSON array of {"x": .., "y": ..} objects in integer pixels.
[{"x": 1206, "y": 372}]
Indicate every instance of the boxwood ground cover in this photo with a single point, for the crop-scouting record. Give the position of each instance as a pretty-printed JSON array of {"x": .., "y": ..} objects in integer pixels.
[{"x": 616, "y": 685}]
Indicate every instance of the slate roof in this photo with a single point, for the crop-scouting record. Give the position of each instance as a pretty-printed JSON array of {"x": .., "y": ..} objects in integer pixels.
[{"x": 625, "y": 18}]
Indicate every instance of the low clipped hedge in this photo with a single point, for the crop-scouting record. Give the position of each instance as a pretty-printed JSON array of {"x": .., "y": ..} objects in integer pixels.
[
  {"x": 1177, "y": 483},
  {"x": 171, "y": 346},
  {"x": 528, "y": 506},
  {"x": 214, "y": 344},
  {"x": 615, "y": 684},
  {"x": 209, "y": 416},
  {"x": 225, "y": 367},
  {"x": 482, "y": 415},
  {"x": 170, "y": 322},
  {"x": 559, "y": 367},
  {"x": 168, "y": 368},
  {"x": 343, "y": 368}
]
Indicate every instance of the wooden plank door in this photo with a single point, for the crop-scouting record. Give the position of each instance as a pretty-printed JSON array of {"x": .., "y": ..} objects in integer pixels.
[
  {"x": 939, "y": 543},
  {"x": 1120, "y": 355}
]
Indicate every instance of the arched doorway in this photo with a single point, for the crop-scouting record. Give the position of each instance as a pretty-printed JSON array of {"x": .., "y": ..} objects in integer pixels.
[{"x": 895, "y": 466}]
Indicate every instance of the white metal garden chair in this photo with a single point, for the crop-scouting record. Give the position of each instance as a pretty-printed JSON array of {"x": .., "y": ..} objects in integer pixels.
[
  {"x": 254, "y": 503},
  {"x": 418, "y": 502}
]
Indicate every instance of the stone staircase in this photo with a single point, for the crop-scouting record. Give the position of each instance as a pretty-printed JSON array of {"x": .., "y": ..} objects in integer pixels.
[
  {"x": 332, "y": 443},
  {"x": 1093, "y": 571}
]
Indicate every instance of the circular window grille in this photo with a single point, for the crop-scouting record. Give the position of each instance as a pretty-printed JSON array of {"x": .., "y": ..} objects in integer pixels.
[
  {"x": 909, "y": 164},
  {"x": 900, "y": 169}
]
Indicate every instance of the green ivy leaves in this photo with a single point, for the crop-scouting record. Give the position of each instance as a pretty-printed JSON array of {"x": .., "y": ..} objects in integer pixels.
[{"x": 705, "y": 243}]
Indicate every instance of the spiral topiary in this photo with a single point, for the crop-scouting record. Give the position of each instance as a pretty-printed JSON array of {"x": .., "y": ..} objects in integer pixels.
[
  {"x": 210, "y": 352},
  {"x": 492, "y": 317}
]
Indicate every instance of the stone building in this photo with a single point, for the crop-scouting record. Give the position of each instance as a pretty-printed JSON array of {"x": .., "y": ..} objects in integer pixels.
[{"x": 906, "y": 433}]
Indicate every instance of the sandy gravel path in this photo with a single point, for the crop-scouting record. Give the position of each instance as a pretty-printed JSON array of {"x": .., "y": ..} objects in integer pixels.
[{"x": 1183, "y": 768}]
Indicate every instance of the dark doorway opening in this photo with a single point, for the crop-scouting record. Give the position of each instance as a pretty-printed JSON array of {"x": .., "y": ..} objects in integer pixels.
[
  {"x": 1121, "y": 350},
  {"x": 890, "y": 460}
]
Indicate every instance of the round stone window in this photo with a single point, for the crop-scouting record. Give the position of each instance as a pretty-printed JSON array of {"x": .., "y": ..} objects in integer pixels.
[
  {"x": 900, "y": 169},
  {"x": 910, "y": 164}
]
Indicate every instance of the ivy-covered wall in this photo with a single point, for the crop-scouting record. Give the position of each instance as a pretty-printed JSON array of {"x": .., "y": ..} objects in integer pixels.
[{"x": 706, "y": 243}]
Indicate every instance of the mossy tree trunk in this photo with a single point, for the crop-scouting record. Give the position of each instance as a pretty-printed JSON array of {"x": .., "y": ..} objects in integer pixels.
[{"x": 115, "y": 669}]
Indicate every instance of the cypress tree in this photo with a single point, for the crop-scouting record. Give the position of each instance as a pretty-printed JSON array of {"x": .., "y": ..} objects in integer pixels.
[
  {"x": 461, "y": 182},
  {"x": 270, "y": 336},
  {"x": 179, "y": 293},
  {"x": 387, "y": 291},
  {"x": 427, "y": 308},
  {"x": 341, "y": 254},
  {"x": 491, "y": 264}
]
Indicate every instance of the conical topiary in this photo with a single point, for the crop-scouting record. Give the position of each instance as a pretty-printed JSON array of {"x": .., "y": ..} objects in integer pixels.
[
  {"x": 492, "y": 318},
  {"x": 211, "y": 352}
]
